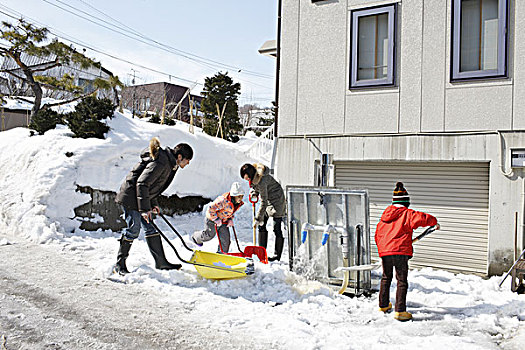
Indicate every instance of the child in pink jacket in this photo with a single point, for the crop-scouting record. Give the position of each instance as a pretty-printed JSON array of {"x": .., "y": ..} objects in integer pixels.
[{"x": 220, "y": 215}]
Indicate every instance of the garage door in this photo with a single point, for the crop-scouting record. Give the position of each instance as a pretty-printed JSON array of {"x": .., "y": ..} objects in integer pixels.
[{"x": 456, "y": 193}]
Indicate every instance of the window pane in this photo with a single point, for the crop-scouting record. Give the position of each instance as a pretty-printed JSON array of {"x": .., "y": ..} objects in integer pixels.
[
  {"x": 372, "y": 59},
  {"x": 479, "y": 35}
]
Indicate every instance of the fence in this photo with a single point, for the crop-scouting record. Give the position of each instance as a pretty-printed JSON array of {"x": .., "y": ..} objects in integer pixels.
[{"x": 262, "y": 148}]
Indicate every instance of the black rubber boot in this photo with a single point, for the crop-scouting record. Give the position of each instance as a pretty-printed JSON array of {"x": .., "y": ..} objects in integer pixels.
[
  {"x": 156, "y": 249},
  {"x": 279, "y": 243},
  {"x": 123, "y": 253},
  {"x": 279, "y": 240},
  {"x": 263, "y": 236}
]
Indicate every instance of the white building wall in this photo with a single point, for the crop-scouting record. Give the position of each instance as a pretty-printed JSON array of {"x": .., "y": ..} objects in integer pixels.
[
  {"x": 321, "y": 83},
  {"x": 315, "y": 102},
  {"x": 297, "y": 156}
]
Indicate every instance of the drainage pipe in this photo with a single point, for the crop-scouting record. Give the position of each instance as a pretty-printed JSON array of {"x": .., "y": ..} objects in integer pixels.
[
  {"x": 502, "y": 155},
  {"x": 346, "y": 254},
  {"x": 346, "y": 277},
  {"x": 522, "y": 216}
]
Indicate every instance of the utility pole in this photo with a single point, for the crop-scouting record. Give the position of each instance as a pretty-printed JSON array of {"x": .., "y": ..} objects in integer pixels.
[
  {"x": 133, "y": 94},
  {"x": 191, "y": 116},
  {"x": 163, "y": 105}
]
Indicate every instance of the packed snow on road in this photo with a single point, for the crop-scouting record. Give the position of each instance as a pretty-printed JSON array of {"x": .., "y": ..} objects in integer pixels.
[{"x": 40, "y": 237}]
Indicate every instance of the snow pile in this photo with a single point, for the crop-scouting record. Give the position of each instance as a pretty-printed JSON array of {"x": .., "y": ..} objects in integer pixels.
[
  {"x": 39, "y": 174},
  {"x": 275, "y": 304}
]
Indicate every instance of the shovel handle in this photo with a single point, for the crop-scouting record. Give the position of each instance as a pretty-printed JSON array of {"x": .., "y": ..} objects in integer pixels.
[
  {"x": 174, "y": 230},
  {"x": 254, "y": 229},
  {"x": 428, "y": 231}
]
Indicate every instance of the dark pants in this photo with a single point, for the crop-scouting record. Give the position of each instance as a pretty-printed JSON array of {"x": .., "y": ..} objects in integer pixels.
[
  {"x": 263, "y": 231},
  {"x": 135, "y": 221},
  {"x": 400, "y": 262},
  {"x": 209, "y": 232}
]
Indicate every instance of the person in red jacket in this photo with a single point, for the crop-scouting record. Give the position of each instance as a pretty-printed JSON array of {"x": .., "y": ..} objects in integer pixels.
[{"x": 394, "y": 244}]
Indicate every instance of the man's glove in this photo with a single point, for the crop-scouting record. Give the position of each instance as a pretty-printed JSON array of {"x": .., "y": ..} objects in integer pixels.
[
  {"x": 258, "y": 222},
  {"x": 229, "y": 223},
  {"x": 218, "y": 222},
  {"x": 253, "y": 196}
]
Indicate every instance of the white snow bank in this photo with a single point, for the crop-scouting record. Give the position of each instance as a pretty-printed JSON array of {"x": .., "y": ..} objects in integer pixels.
[{"x": 37, "y": 196}]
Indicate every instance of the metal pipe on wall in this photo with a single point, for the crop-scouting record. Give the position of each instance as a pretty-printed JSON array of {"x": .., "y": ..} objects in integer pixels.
[
  {"x": 523, "y": 215},
  {"x": 278, "y": 66}
]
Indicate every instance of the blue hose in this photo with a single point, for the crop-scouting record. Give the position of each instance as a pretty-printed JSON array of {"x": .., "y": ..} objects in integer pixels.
[
  {"x": 303, "y": 235},
  {"x": 325, "y": 238}
]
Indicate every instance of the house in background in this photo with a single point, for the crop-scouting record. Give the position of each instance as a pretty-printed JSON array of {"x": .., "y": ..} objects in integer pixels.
[
  {"x": 14, "y": 117},
  {"x": 83, "y": 77},
  {"x": 152, "y": 98},
  {"x": 16, "y": 112},
  {"x": 425, "y": 92}
]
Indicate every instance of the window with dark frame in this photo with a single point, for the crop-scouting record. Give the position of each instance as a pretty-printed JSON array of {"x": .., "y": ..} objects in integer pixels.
[
  {"x": 373, "y": 47},
  {"x": 479, "y": 39}
]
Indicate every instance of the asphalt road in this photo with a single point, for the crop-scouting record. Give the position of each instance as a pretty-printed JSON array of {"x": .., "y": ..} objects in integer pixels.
[{"x": 48, "y": 300}]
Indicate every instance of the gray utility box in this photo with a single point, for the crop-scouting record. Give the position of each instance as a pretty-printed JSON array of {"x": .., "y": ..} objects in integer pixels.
[{"x": 325, "y": 225}]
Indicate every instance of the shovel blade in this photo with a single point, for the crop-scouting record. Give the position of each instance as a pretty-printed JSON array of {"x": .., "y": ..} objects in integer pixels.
[{"x": 258, "y": 251}]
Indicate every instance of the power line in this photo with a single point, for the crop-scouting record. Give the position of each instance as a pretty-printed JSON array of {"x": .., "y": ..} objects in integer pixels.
[
  {"x": 71, "y": 39},
  {"x": 108, "y": 16},
  {"x": 148, "y": 41}
]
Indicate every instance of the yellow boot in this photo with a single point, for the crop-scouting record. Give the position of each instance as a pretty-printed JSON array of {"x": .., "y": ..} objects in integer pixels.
[
  {"x": 386, "y": 308},
  {"x": 403, "y": 316}
]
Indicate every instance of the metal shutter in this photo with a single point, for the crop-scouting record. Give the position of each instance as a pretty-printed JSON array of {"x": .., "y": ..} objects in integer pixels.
[{"x": 456, "y": 193}]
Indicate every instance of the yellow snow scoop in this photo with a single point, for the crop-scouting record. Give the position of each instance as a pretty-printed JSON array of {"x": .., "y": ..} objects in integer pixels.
[
  {"x": 211, "y": 265},
  {"x": 220, "y": 266}
]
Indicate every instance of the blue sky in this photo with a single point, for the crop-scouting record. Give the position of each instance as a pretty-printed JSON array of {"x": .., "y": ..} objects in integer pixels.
[{"x": 228, "y": 32}]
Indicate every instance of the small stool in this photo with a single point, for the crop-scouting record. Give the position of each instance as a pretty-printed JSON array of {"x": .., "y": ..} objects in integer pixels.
[{"x": 518, "y": 272}]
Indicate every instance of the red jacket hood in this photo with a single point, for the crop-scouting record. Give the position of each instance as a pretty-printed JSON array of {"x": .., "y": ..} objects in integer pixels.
[{"x": 392, "y": 213}]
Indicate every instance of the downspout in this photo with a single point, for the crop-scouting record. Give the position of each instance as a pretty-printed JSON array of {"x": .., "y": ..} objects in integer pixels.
[
  {"x": 522, "y": 218},
  {"x": 507, "y": 174},
  {"x": 277, "y": 82},
  {"x": 502, "y": 156},
  {"x": 278, "y": 66}
]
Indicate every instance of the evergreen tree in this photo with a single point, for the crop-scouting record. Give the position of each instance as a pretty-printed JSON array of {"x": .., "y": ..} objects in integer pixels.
[
  {"x": 86, "y": 120},
  {"x": 24, "y": 41},
  {"x": 44, "y": 120},
  {"x": 219, "y": 90}
]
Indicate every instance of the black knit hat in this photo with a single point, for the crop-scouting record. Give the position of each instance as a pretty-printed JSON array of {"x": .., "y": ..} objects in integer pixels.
[{"x": 400, "y": 195}]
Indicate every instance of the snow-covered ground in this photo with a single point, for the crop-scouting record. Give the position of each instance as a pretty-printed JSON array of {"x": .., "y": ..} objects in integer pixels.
[{"x": 274, "y": 308}]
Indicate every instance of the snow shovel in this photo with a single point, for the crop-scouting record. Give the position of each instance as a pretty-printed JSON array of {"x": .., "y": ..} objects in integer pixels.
[
  {"x": 211, "y": 265},
  {"x": 512, "y": 267},
  {"x": 260, "y": 252},
  {"x": 378, "y": 264},
  {"x": 255, "y": 249}
]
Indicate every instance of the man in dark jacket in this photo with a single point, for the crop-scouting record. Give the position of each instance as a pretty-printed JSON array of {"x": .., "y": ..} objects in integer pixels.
[
  {"x": 272, "y": 203},
  {"x": 138, "y": 197},
  {"x": 394, "y": 245}
]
